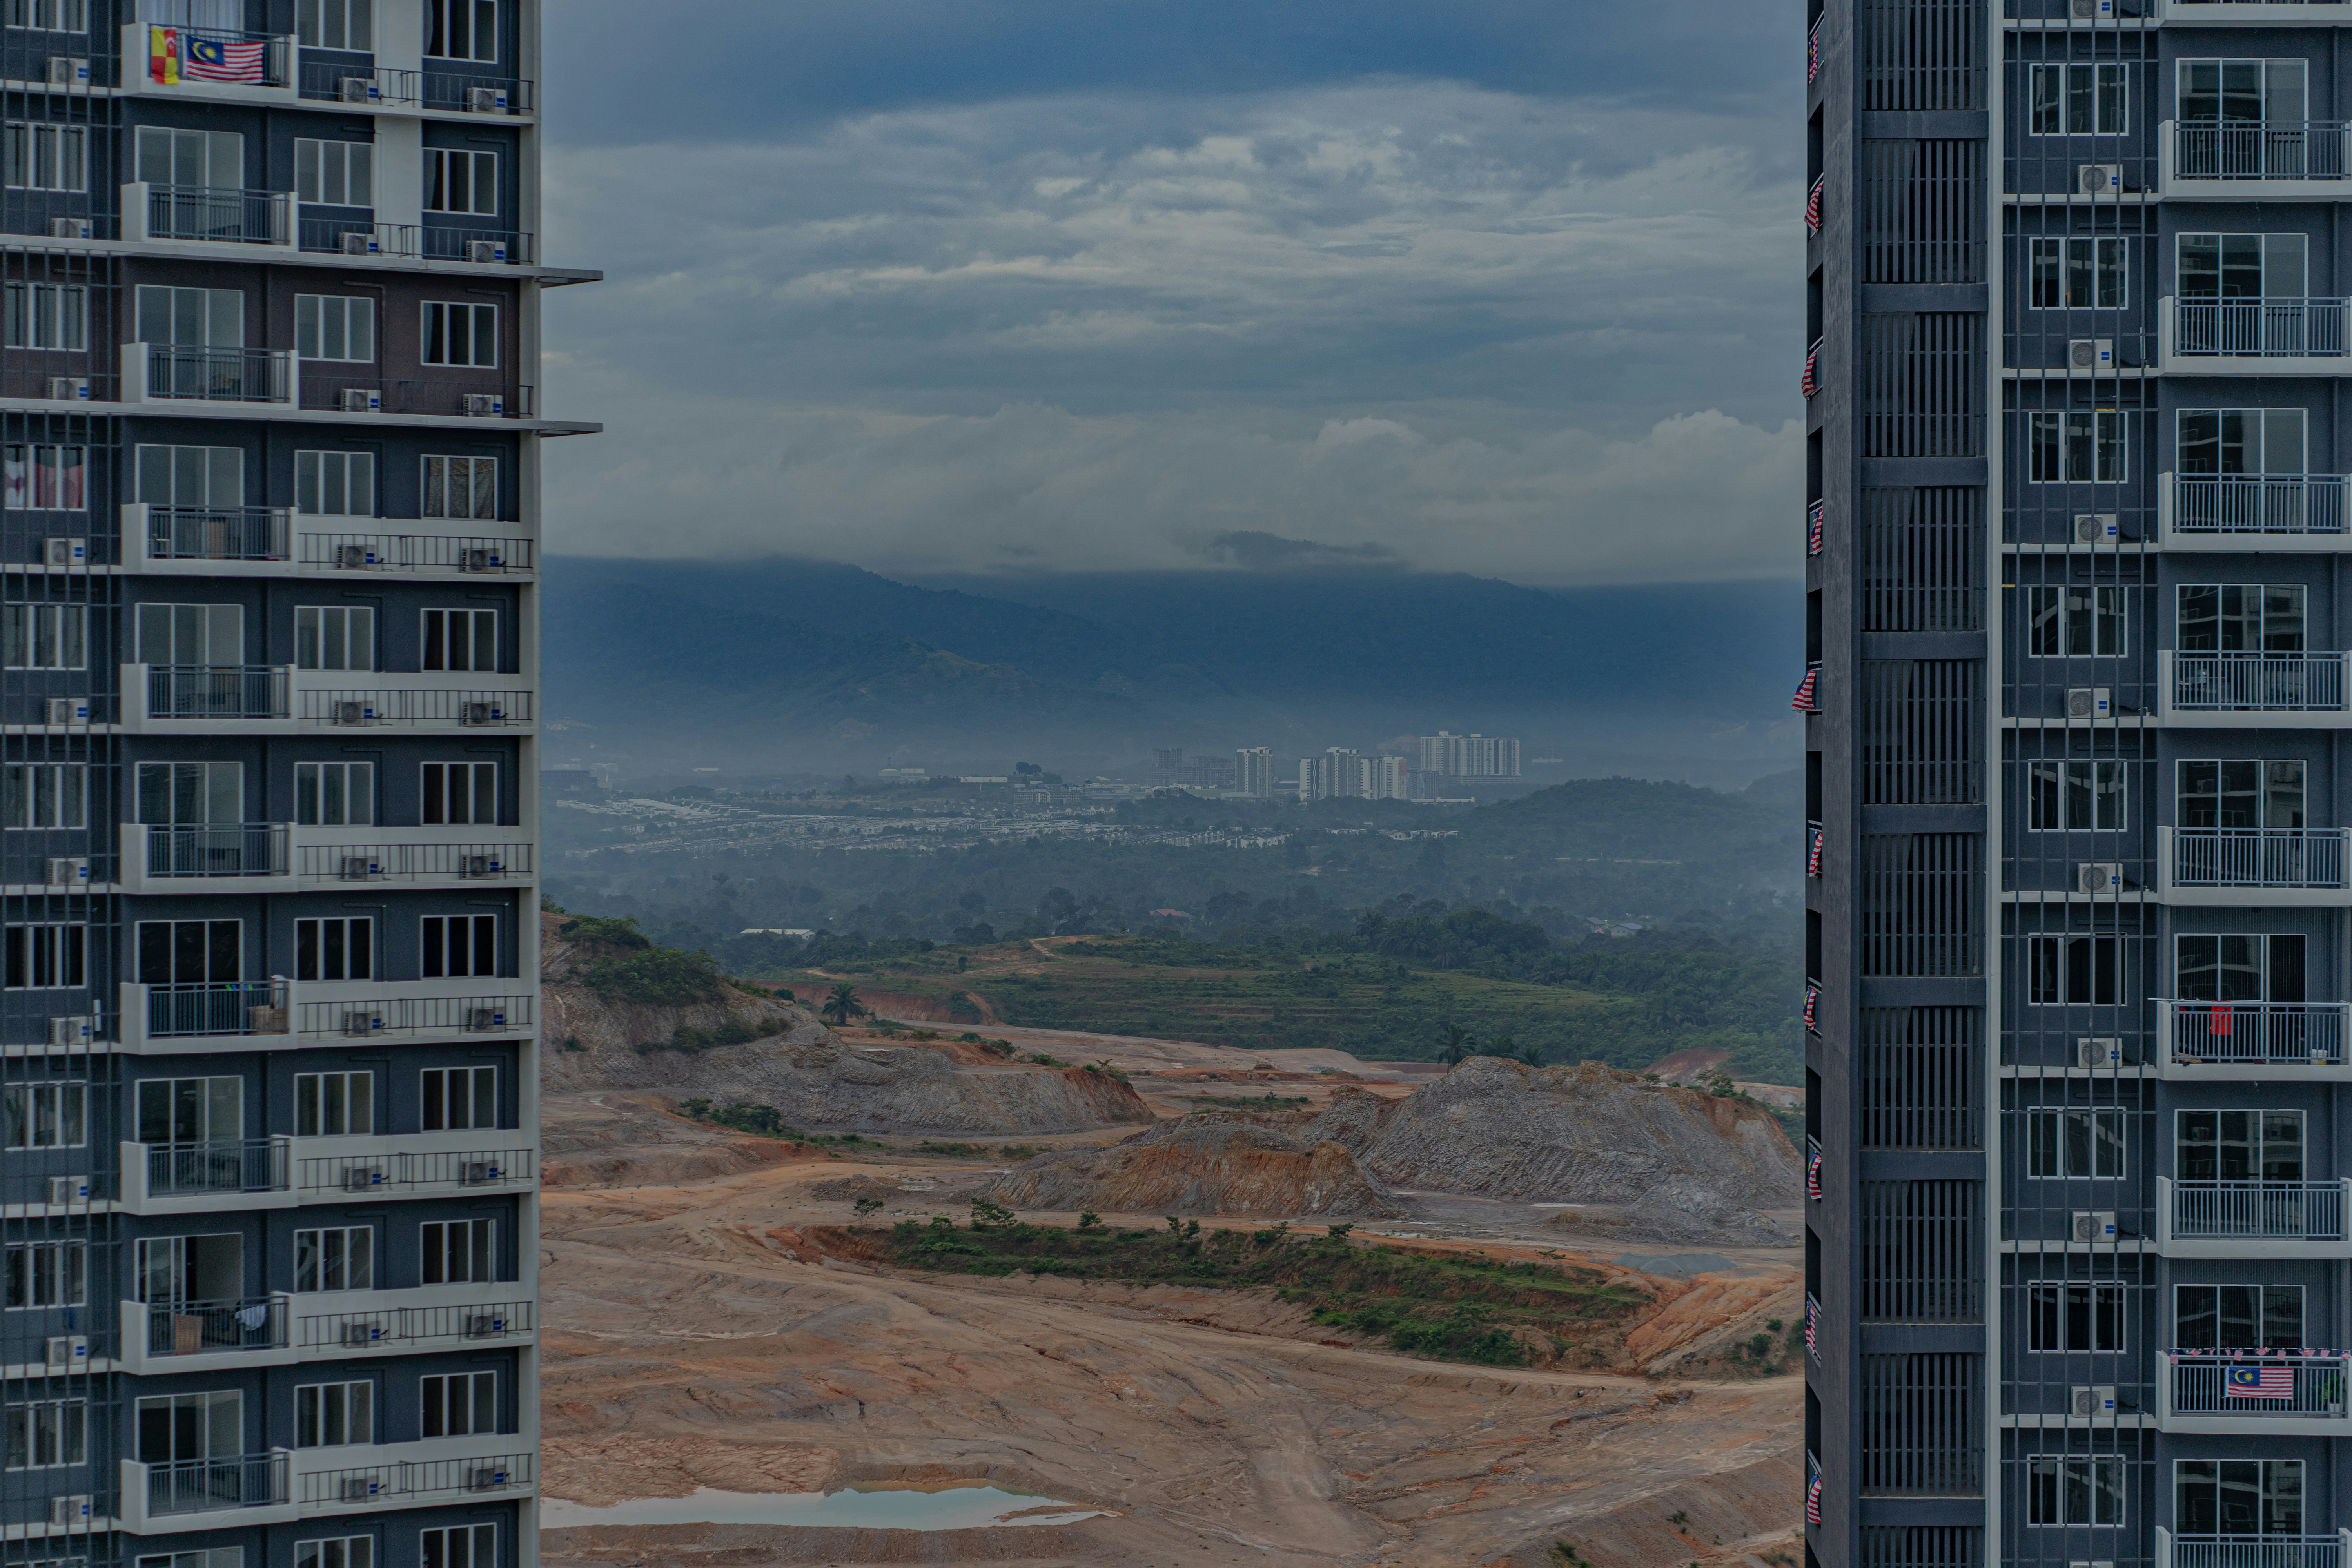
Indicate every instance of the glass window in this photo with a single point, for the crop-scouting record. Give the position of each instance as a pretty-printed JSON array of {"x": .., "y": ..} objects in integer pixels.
[
  {"x": 47, "y": 1274},
  {"x": 2075, "y": 446},
  {"x": 47, "y": 16},
  {"x": 38, "y": 157},
  {"x": 2237, "y": 1498},
  {"x": 2077, "y": 274},
  {"x": 45, "y": 636},
  {"x": 460, "y": 1098},
  {"x": 2239, "y": 793},
  {"x": 45, "y": 1115},
  {"x": 334, "y": 327},
  {"x": 461, "y": 487},
  {"x": 2074, "y": 1317},
  {"x": 340, "y": 948},
  {"x": 46, "y": 315},
  {"x": 333, "y": 1415},
  {"x": 333, "y": 1104},
  {"x": 2075, "y": 620},
  {"x": 334, "y": 173},
  {"x": 2065, "y": 1144},
  {"x": 43, "y": 478},
  {"x": 334, "y": 636},
  {"x": 2237, "y": 1317},
  {"x": 2077, "y": 99},
  {"x": 334, "y": 794},
  {"x": 2074, "y": 970},
  {"x": 49, "y": 1434},
  {"x": 460, "y": 945},
  {"x": 340, "y": 1258},
  {"x": 46, "y": 957},
  {"x": 44, "y": 794},
  {"x": 458, "y": 182},
  {"x": 2071, "y": 1491},
  {"x": 461, "y": 30},
  {"x": 463, "y": 1545},
  {"x": 460, "y": 1404},
  {"x": 2074, "y": 797},
  {"x": 461, "y": 640},
  {"x": 461, "y": 335},
  {"x": 335, "y": 484},
  {"x": 457, "y": 1252},
  {"x": 336, "y": 24}
]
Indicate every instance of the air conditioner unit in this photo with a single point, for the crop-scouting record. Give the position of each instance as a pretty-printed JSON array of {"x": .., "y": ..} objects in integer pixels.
[
  {"x": 363, "y": 1178},
  {"x": 356, "y": 1023},
  {"x": 69, "y": 1190},
  {"x": 2102, "y": 1051},
  {"x": 478, "y": 866},
  {"x": 486, "y": 1479},
  {"x": 2095, "y": 356},
  {"x": 486, "y": 405},
  {"x": 2099, "y": 179},
  {"x": 68, "y": 1351},
  {"x": 361, "y": 1334},
  {"x": 68, "y": 70},
  {"x": 71, "y": 228},
  {"x": 2095, "y": 1225},
  {"x": 70, "y": 872},
  {"x": 363, "y": 400},
  {"x": 2095, "y": 10},
  {"x": 480, "y": 713},
  {"x": 67, "y": 1511},
  {"x": 479, "y": 1172},
  {"x": 485, "y": 100},
  {"x": 352, "y": 557},
  {"x": 69, "y": 710},
  {"x": 485, "y": 1020},
  {"x": 2099, "y": 877},
  {"x": 347, "y": 711},
  {"x": 72, "y": 1034},
  {"x": 486, "y": 250},
  {"x": 70, "y": 389},
  {"x": 362, "y": 242},
  {"x": 362, "y": 89},
  {"x": 2090, "y": 702},
  {"x": 2084, "y": 1401},
  {"x": 361, "y": 869},
  {"x": 2097, "y": 528},
  {"x": 66, "y": 552},
  {"x": 479, "y": 561},
  {"x": 484, "y": 1325},
  {"x": 2097, "y": 1562},
  {"x": 358, "y": 1488}
]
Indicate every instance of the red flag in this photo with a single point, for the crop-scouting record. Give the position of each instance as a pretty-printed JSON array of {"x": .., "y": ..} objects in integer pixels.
[
  {"x": 1807, "y": 689},
  {"x": 1813, "y": 529},
  {"x": 1814, "y": 205},
  {"x": 1813, "y": 860},
  {"x": 1810, "y": 383}
]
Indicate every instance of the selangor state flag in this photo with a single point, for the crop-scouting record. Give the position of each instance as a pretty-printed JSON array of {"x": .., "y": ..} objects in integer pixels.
[{"x": 164, "y": 55}]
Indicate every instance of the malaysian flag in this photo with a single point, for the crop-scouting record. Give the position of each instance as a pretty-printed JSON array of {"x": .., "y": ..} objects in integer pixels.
[
  {"x": 1806, "y": 689},
  {"x": 1813, "y": 860},
  {"x": 1813, "y": 53},
  {"x": 1814, "y": 1175},
  {"x": 1813, "y": 529},
  {"x": 1810, "y": 383},
  {"x": 1813, "y": 1499},
  {"x": 1814, "y": 206},
  {"x": 218, "y": 59},
  {"x": 2261, "y": 1381},
  {"x": 1813, "y": 996}
]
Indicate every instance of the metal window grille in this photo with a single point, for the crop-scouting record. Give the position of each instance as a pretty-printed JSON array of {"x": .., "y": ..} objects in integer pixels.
[
  {"x": 1923, "y": 560},
  {"x": 1921, "y": 54},
  {"x": 1919, "y": 1072},
  {"x": 1922, "y": 728},
  {"x": 1920, "y": 1242},
  {"x": 1920, "y": 897},
  {"x": 1920, "y": 1420},
  {"x": 1922, "y": 384},
  {"x": 1923, "y": 1546},
  {"x": 1923, "y": 212}
]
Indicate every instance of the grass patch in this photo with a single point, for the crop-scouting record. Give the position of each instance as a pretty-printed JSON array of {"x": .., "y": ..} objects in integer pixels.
[
  {"x": 689, "y": 1039},
  {"x": 979, "y": 1150},
  {"x": 655, "y": 976},
  {"x": 1453, "y": 1307}
]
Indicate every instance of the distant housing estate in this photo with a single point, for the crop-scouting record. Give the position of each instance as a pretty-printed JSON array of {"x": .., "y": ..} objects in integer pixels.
[{"x": 1341, "y": 771}]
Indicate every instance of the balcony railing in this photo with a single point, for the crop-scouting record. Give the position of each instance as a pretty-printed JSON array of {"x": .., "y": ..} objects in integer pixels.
[
  {"x": 235, "y": 1165},
  {"x": 2300, "y": 1033},
  {"x": 416, "y": 1015},
  {"x": 375, "y": 394},
  {"x": 2258, "y": 857},
  {"x": 507, "y": 246},
  {"x": 2285, "y": 1211},
  {"x": 386, "y": 1173},
  {"x": 209, "y": 374},
  {"x": 2222, "y": 1382},
  {"x": 221, "y": 850},
  {"x": 275, "y": 55},
  {"x": 416, "y": 552},
  {"x": 212, "y": 213},
  {"x": 477, "y": 94},
  {"x": 412, "y": 862},
  {"x": 207, "y": 1485},
  {"x": 409, "y": 1325},
  {"x": 219, "y": 533},
  {"x": 216, "y": 1328},
  {"x": 224, "y": 1007},
  {"x": 2252, "y": 1551},
  {"x": 411, "y": 1482},
  {"x": 2259, "y": 328},
  {"x": 2245, "y": 682},
  {"x": 2260, "y": 150},
  {"x": 2247, "y": 503},
  {"x": 364, "y": 708},
  {"x": 217, "y": 692}
]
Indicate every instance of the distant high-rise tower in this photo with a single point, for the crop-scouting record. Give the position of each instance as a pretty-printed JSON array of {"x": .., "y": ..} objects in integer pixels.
[{"x": 1254, "y": 771}]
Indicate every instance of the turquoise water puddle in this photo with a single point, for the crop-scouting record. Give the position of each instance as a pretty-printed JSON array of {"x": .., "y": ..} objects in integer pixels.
[{"x": 877, "y": 1508}]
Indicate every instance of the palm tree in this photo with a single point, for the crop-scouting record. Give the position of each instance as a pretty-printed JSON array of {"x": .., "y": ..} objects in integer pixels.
[
  {"x": 843, "y": 1005},
  {"x": 1456, "y": 1045}
]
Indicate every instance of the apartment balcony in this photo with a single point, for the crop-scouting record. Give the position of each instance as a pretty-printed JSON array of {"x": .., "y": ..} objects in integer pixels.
[
  {"x": 2286, "y": 336},
  {"x": 171, "y": 1019},
  {"x": 2199, "y": 1391},
  {"x": 2274, "y": 513},
  {"x": 207, "y": 1336},
  {"x": 365, "y": 237},
  {"x": 354, "y": 1011},
  {"x": 386, "y": 90},
  {"x": 207, "y": 541},
  {"x": 2269, "y": 160},
  {"x": 480, "y": 399},
  {"x": 449, "y": 710},
  {"x": 2236, "y": 866},
  {"x": 413, "y": 1166},
  {"x": 2254, "y": 14},
  {"x": 2251, "y": 690},
  {"x": 209, "y": 213},
  {"x": 2253, "y": 1551},
  {"x": 207, "y": 1494},
  {"x": 202, "y": 1178},
  {"x": 2237, "y": 1042},
  {"x": 411, "y": 865},
  {"x": 492, "y": 1467},
  {"x": 214, "y": 858},
  {"x": 207, "y": 699},
  {"x": 2251, "y": 1219},
  {"x": 412, "y": 1322},
  {"x": 190, "y": 372},
  {"x": 452, "y": 555},
  {"x": 271, "y": 58}
]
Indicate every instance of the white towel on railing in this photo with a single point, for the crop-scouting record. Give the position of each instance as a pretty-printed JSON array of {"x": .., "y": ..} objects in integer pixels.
[{"x": 250, "y": 1318}]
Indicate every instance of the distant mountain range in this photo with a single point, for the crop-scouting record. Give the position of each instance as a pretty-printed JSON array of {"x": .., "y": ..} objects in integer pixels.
[{"x": 802, "y": 664}]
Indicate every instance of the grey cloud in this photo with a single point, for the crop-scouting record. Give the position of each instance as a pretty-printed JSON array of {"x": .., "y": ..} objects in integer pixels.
[{"x": 1273, "y": 552}]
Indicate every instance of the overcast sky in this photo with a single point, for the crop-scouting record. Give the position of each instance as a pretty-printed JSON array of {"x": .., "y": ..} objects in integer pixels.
[{"x": 1007, "y": 286}]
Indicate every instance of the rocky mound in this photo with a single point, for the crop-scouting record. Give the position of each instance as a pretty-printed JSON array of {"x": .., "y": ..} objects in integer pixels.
[
  {"x": 632, "y": 1139},
  {"x": 733, "y": 1045},
  {"x": 1211, "y": 1163}
]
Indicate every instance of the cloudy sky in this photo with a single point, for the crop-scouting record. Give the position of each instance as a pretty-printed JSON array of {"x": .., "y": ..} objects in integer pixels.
[{"x": 1013, "y": 285}]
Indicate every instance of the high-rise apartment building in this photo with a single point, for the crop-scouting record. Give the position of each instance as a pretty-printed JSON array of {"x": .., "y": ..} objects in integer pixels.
[
  {"x": 268, "y": 661},
  {"x": 2079, "y": 935},
  {"x": 1470, "y": 756},
  {"x": 1254, "y": 772},
  {"x": 1339, "y": 772}
]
